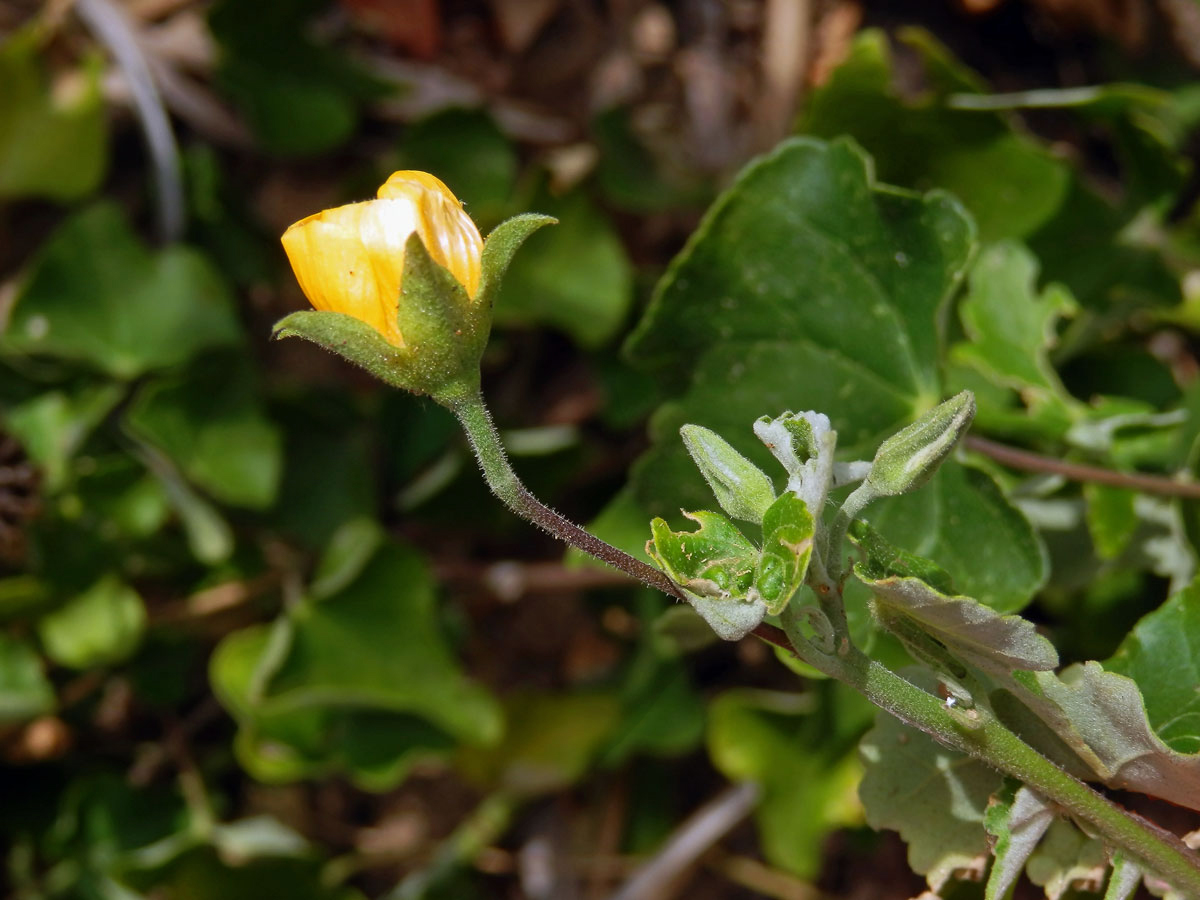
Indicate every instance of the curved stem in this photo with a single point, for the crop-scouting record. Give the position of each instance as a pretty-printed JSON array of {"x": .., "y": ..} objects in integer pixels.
[
  {"x": 473, "y": 414},
  {"x": 987, "y": 739}
]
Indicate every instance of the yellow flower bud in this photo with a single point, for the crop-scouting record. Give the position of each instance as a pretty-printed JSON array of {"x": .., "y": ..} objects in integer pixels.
[{"x": 351, "y": 259}]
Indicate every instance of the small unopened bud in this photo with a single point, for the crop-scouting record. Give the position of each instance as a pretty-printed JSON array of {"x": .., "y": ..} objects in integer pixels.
[
  {"x": 741, "y": 487},
  {"x": 908, "y": 459}
]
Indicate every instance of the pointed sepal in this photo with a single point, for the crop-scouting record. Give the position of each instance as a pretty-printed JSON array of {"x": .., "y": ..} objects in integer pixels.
[
  {"x": 352, "y": 339},
  {"x": 742, "y": 488},
  {"x": 500, "y": 247},
  {"x": 908, "y": 459}
]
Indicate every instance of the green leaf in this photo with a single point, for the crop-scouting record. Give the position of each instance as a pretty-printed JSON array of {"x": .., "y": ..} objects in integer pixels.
[
  {"x": 715, "y": 559},
  {"x": 1009, "y": 182},
  {"x": 788, "y": 530},
  {"x": 1162, "y": 655},
  {"x": 934, "y": 796},
  {"x": 806, "y": 251},
  {"x": 661, "y": 712},
  {"x": 1112, "y": 518},
  {"x": 715, "y": 565},
  {"x": 54, "y": 425},
  {"x": 348, "y": 552},
  {"x": 210, "y": 538},
  {"x": 575, "y": 277},
  {"x": 53, "y": 140},
  {"x": 209, "y": 421},
  {"x": 95, "y": 295},
  {"x": 741, "y": 488},
  {"x": 777, "y": 740},
  {"x": 1016, "y": 819},
  {"x": 25, "y": 691},
  {"x": 360, "y": 680},
  {"x": 99, "y": 627},
  {"x": 1011, "y": 330},
  {"x": 301, "y": 98},
  {"x": 882, "y": 560},
  {"x": 961, "y": 520}
]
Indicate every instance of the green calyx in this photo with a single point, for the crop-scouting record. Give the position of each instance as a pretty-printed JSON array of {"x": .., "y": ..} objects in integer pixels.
[
  {"x": 445, "y": 331},
  {"x": 908, "y": 459}
]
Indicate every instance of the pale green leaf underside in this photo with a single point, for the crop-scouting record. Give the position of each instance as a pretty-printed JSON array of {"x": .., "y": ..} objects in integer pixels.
[
  {"x": 972, "y": 632},
  {"x": 934, "y": 797}
]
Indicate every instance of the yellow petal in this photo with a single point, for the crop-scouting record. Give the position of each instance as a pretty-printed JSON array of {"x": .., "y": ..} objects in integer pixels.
[
  {"x": 349, "y": 260},
  {"x": 444, "y": 227}
]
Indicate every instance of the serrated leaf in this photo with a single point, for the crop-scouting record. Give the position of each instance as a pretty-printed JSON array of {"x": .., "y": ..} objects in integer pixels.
[
  {"x": 359, "y": 681},
  {"x": 1011, "y": 330},
  {"x": 96, "y": 295},
  {"x": 972, "y": 632},
  {"x": 787, "y": 547},
  {"x": 1016, "y": 819},
  {"x": 934, "y": 796}
]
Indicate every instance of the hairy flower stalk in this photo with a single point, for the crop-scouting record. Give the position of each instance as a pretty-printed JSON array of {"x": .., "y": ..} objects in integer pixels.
[{"x": 367, "y": 262}]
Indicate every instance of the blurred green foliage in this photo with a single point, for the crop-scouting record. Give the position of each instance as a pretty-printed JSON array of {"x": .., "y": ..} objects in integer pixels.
[{"x": 219, "y": 590}]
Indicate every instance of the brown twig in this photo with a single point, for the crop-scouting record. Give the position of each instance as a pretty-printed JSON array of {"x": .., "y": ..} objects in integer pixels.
[{"x": 1036, "y": 462}]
